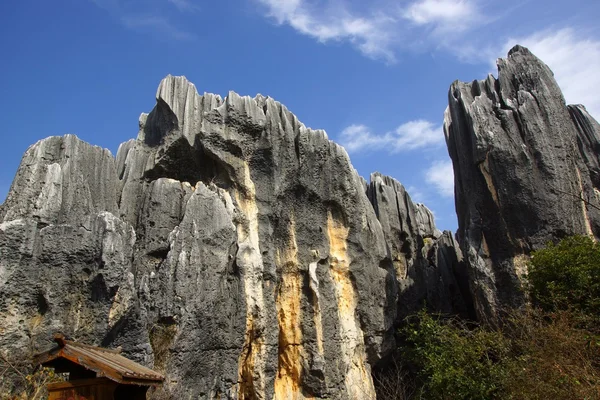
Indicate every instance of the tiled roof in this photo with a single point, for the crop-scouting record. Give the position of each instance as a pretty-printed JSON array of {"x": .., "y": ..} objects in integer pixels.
[{"x": 105, "y": 362}]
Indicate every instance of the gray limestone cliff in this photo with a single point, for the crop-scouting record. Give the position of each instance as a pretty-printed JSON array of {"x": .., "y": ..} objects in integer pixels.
[
  {"x": 427, "y": 263},
  {"x": 526, "y": 172},
  {"x": 228, "y": 246}
]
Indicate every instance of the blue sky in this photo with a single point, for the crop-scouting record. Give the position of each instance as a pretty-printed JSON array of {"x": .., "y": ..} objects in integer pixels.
[{"x": 373, "y": 74}]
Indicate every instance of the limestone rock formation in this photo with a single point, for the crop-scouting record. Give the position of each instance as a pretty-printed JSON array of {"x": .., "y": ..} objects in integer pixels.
[
  {"x": 427, "y": 263},
  {"x": 526, "y": 172},
  {"x": 228, "y": 246}
]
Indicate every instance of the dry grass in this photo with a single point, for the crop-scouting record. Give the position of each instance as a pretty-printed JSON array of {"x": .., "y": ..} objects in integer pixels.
[{"x": 557, "y": 356}]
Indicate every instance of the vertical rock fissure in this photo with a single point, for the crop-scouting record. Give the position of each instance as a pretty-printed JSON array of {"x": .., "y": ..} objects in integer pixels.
[{"x": 249, "y": 259}]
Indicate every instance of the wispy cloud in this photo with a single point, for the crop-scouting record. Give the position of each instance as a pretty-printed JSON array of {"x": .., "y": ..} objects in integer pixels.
[
  {"x": 440, "y": 174},
  {"x": 141, "y": 16},
  {"x": 380, "y": 31},
  {"x": 371, "y": 34},
  {"x": 574, "y": 59},
  {"x": 408, "y": 136}
]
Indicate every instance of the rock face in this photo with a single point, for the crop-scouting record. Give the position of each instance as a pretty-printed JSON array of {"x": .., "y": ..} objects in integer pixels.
[
  {"x": 228, "y": 246},
  {"x": 427, "y": 263},
  {"x": 526, "y": 172}
]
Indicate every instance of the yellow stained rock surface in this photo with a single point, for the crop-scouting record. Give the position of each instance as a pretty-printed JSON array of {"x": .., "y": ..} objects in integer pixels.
[
  {"x": 586, "y": 217},
  {"x": 484, "y": 168},
  {"x": 359, "y": 384},
  {"x": 253, "y": 349},
  {"x": 289, "y": 370}
]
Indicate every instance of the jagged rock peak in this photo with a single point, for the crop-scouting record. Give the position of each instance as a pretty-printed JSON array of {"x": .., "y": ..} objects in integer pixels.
[
  {"x": 519, "y": 49},
  {"x": 416, "y": 217},
  {"x": 519, "y": 173},
  {"x": 60, "y": 180}
]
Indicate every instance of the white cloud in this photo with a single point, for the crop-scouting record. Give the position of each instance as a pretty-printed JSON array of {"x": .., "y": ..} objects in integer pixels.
[
  {"x": 441, "y": 12},
  {"x": 408, "y": 136},
  {"x": 386, "y": 27},
  {"x": 371, "y": 34},
  {"x": 441, "y": 175},
  {"x": 574, "y": 59}
]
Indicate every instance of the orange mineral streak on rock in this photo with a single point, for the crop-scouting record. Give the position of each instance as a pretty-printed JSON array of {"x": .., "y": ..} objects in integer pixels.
[
  {"x": 484, "y": 169},
  {"x": 289, "y": 371},
  {"x": 253, "y": 347},
  {"x": 359, "y": 384}
]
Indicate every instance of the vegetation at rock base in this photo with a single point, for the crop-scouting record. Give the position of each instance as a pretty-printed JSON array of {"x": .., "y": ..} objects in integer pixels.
[
  {"x": 31, "y": 382},
  {"x": 567, "y": 276},
  {"x": 549, "y": 350}
]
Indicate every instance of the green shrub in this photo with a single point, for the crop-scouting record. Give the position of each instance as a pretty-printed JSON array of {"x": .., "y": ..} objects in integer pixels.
[
  {"x": 536, "y": 355},
  {"x": 453, "y": 361},
  {"x": 567, "y": 275}
]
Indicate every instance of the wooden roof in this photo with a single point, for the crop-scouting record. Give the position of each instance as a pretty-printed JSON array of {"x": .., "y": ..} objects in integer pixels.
[{"x": 104, "y": 362}]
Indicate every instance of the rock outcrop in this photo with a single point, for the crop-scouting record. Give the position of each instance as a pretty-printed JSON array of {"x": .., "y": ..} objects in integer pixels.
[
  {"x": 427, "y": 263},
  {"x": 228, "y": 246},
  {"x": 526, "y": 172}
]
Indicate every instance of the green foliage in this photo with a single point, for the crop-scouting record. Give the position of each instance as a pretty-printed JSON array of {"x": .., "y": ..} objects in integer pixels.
[
  {"x": 455, "y": 362},
  {"x": 535, "y": 356},
  {"x": 567, "y": 275}
]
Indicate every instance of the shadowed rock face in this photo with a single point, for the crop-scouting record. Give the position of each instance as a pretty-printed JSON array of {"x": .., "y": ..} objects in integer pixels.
[
  {"x": 228, "y": 245},
  {"x": 526, "y": 172},
  {"x": 427, "y": 263}
]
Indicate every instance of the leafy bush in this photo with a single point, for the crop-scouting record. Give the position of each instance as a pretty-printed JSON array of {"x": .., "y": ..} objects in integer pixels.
[
  {"x": 567, "y": 275},
  {"x": 535, "y": 356},
  {"x": 453, "y": 361}
]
